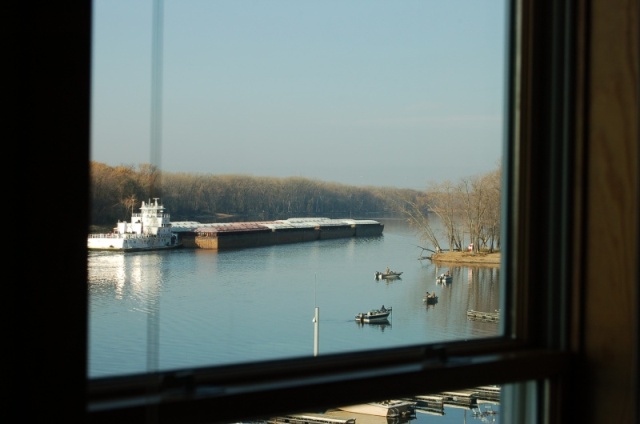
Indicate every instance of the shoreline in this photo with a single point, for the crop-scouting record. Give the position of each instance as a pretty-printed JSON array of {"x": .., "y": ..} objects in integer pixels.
[{"x": 467, "y": 258}]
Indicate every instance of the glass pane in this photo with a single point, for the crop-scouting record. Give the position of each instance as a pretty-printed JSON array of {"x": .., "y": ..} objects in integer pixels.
[
  {"x": 479, "y": 404},
  {"x": 340, "y": 114}
]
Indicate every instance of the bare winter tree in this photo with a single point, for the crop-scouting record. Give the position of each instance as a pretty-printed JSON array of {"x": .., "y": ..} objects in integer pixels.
[
  {"x": 490, "y": 224},
  {"x": 130, "y": 203},
  {"x": 468, "y": 210},
  {"x": 416, "y": 210},
  {"x": 446, "y": 203}
]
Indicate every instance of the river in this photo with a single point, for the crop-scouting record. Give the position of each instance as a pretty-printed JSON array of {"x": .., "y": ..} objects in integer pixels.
[{"x": 151, "y": 311}]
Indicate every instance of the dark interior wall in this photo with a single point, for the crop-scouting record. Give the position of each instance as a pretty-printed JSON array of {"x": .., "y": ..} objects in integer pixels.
[
  {"x": 52, "y": 137},
  {"x": 610, "y": 293}
]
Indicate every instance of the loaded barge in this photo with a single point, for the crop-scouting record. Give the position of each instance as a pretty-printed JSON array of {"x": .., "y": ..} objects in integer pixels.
[{"x": 236, "y": 235}]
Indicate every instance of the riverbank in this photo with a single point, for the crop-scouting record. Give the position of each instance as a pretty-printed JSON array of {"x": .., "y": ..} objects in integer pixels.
[{"x": 467, "y": 258}]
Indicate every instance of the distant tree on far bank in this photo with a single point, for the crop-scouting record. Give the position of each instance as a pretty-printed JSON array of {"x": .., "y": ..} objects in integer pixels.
[
  {"x": 115, "y": 190},
  {"x": 468, "y": 211}
]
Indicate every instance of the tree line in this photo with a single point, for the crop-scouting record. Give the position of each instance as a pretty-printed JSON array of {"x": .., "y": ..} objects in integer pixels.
[
  {"x": 117, "y": 191},
  {"x": 468, "y": 210}
]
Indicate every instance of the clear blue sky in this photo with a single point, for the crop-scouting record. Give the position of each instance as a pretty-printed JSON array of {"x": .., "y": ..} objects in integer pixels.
[{"x": 362, "y": 92}]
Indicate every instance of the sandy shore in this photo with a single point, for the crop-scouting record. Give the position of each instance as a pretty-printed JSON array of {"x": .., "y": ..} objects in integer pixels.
[{"x": 467, "y": 258}]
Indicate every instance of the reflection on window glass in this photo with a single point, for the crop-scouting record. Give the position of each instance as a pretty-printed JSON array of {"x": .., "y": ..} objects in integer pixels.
[{"x": 266, "y": 175}]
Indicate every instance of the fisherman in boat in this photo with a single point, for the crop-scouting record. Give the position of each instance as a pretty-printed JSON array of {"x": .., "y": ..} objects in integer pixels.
[{"x": 388, "y": 270}]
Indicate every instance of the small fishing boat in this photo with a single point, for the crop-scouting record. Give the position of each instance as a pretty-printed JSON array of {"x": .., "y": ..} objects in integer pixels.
[
  {"x": 374, "y": 315},
  {"x": 444, "y": 278},
  {"x": 430, "y": 298},
  {"x": 387, "y": 275}
]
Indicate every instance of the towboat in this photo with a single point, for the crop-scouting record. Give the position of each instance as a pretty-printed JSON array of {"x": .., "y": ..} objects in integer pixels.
[{"x": 148, "y": 230}]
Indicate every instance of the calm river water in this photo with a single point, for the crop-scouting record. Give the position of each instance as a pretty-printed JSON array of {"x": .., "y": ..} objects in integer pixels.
[{"x": 152, "y": 311}]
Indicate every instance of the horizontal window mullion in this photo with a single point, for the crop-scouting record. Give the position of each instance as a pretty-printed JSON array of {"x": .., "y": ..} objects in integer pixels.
[{"x": 221, "y": 399}]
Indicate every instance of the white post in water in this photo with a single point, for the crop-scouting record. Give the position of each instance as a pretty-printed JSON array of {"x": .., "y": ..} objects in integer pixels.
[
  {"x": 316, "y": 331},
  {"x": 316, "y": 317}
]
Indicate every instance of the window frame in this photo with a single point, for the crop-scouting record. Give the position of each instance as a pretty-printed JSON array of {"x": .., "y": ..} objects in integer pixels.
[
  {"x": 533, "y": 355},
  {"x": 544, "y": 244}
]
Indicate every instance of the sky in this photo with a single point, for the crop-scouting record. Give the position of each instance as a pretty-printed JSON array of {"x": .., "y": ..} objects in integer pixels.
[{"x": 359, "y": 92}]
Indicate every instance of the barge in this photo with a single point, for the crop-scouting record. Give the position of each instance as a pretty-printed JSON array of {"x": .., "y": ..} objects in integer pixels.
[{"x": 237, "y": 235}]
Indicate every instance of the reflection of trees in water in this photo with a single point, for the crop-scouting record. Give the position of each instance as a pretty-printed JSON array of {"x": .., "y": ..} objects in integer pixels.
[{"x": 484, "y": 287}]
